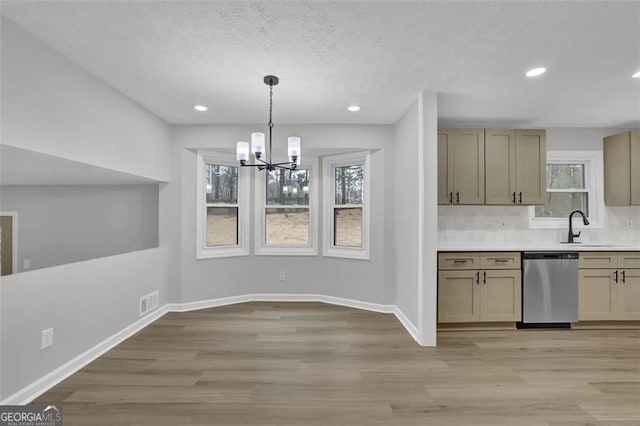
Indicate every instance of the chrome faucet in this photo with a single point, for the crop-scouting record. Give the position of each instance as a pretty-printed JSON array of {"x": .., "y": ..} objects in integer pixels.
[{"x": 571, "y": 234}]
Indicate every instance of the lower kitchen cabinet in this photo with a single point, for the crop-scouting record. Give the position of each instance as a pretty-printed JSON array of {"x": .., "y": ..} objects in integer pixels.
[
  {"x": 480, "y": 295},
  {"x": 611, "y": 293}
]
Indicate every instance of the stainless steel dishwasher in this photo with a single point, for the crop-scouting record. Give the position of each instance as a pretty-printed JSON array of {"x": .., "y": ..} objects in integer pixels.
[{"x": 550, "y": 287}]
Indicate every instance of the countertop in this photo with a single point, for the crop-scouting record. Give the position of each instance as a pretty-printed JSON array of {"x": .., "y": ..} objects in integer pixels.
[{"x": 536, "y": 246}]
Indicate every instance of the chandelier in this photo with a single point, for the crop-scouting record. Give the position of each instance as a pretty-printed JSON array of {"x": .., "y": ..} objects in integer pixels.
[{"x": 257, "y": 142}]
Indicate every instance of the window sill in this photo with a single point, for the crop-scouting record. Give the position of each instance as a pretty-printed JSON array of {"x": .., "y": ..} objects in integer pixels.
[
  {"x": 221, "y": 252},
  {"x": 286, "y": 251},
  {"x": 346, "y": 253}
]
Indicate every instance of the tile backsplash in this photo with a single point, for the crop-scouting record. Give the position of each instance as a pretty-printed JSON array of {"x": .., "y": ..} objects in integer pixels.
[{"x": 510, "y": 224}]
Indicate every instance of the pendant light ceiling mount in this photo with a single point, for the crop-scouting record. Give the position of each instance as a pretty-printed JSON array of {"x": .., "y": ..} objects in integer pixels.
[{"x": 258, "y": 142}]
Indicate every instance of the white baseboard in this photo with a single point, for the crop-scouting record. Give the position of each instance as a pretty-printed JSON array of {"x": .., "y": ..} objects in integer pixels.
[
  {"x": 46, "y": 382},
  {"x": 407, "y": 324},
  {"x": 37, "y": 388}
]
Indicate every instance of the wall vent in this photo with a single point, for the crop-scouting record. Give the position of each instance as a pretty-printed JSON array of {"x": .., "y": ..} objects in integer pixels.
[{"x": 149, "y": 302}]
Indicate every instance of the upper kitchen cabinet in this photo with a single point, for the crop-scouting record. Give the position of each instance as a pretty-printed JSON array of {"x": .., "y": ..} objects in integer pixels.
[
  {"x": 622, "y": 169},
  {"x": 461, "y": 166},
  {"x": 515, "y": 164}
]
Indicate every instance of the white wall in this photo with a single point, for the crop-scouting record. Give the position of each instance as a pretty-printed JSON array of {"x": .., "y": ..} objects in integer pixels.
[
  {"x": 363, "y": 280},
  {"x": 61, "y": 224},
  {"x": 483, "y": 223},
  {"x": 85, "y": 302},
  {"x": 52, "y": 106},
  {"x": 406, "y": 199}
]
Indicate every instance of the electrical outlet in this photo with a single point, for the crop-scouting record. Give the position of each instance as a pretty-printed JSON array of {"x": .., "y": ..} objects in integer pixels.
[
  {"x": 26, "y": 263},
  {"x": 46, "y": 338},
  {"x": 283, "y": 275}
]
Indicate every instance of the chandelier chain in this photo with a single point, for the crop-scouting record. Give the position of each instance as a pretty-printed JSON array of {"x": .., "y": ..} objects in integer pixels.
[{"x": 270, "y": 105}]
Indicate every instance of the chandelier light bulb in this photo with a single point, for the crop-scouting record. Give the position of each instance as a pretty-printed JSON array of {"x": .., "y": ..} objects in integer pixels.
[
  {"x": 293, "y": 148},
  {"x": 242, "y": 151},
  {"x": 257, "y": 143}
]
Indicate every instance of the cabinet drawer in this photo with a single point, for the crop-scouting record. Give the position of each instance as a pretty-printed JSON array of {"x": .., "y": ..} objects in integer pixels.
[
  {"x": 500, "y": 260},
  {"x": 598, "y": 260},
  {"x": 629, "y": 260},
  {"x": 455, "y": 261}
]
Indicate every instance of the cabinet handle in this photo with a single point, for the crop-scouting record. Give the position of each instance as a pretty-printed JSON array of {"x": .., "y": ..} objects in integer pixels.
[
  {"x": 451, "y": 198},
  {"x": 501, "y": 260},
  {"x": 624, "y": 278},
  {"x": 458, "y": 197},
  {"x": 514, "y": 197},
  {"x": 520, "y": 198},
  {"x": 484, "y": 277},
  {"x": 460, "y": 260},
  {"x": 478, "y": 277},
  {"x": 616, "y": 278}
]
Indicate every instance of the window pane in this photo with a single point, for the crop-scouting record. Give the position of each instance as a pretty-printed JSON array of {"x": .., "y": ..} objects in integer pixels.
[
  {"x": 288, "y": 187},
  {"x": 222, "y": 226},
  {"x": 561, "y": 204},
  {"x": 222, "y": 184},
  {"x": 349, "y": 183},
  {"x": 565, "y": 176},
  {"x": 347, "y": 227},
  {"x": 287, "y": 227}
]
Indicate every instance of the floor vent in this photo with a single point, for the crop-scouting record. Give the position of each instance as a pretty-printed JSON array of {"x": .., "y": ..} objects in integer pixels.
[{"x": 149, "y": 302}]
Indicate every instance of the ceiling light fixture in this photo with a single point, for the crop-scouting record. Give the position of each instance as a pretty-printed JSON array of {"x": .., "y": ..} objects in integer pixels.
[
  {"x": 536, "y": 72},
  {"x": 636, "y": 75},
  {"x": 200, "y": 108},
  {"x": 354, "y": 108},
  {"x": 257, "y": 142}
]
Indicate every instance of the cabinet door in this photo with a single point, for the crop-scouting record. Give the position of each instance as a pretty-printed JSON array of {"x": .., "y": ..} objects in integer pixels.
[
  {"x": 598, "y": 298},
  {"x": 466, "y": 165},
  {"x": 458, "y": 296},
  {"x": 500, "y": 166},
  {"x": 531, "y": 166},
  {"x": 629, "y": 294},
  {"x": 617, "y": 173},
  {"x": 443, "y": 169},
  {"x": 635, "y": 168},
  {"x": 500, "y": 298}
]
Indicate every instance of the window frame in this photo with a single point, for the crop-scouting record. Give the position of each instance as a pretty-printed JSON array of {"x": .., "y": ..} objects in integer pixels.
[
  {"x": 330, "y": 163},
  {"x": 593, "y": 181},
  {"x": 243, "y": 204},
  {"x": 261, "y": 248}
]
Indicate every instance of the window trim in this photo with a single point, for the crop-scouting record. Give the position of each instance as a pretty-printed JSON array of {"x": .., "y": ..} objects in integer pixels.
[
  {"x": 261, "y": 249},
  {"x": 244, "y": 199},
  {"x": 594, "y": 173},
  {"x": 330, "y": 162}
]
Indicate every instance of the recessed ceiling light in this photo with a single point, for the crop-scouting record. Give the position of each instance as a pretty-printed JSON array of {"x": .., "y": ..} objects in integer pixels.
[
  {"x": 636, "y": 75},
  {"x": 536, "y": 72},
  {"x": 354, "y": 108},
  {"x": 200, "y": 108}
]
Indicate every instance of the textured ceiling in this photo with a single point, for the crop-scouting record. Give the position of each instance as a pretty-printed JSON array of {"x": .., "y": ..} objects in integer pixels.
[{"x": 171, "y": 55}]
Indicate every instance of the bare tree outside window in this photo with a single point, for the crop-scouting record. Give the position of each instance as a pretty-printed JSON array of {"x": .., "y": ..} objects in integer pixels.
[
  {"x": 222, "y": 205},
  {"x": 566, "y": 191}
]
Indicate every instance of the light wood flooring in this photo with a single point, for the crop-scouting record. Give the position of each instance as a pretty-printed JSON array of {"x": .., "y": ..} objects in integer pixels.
[{"x": 318, "y": 364}]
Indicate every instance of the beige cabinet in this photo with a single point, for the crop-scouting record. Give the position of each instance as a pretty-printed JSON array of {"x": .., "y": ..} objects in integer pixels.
[
  {"x": 461, "y": 166},
  {"x": 467, "y": 294},
  {"x": 622, "y": 169},
  {"x": 515, "y": 164},
  {"x": 609, "y": 286}
]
